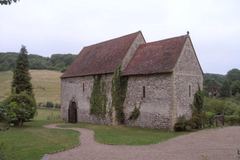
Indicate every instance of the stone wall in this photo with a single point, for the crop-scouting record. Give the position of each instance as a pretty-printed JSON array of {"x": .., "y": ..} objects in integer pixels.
[
  {"x": 79, "y": 90},
  {"x": 187, "y": 75},
  {"x": 155, "y": 106}
]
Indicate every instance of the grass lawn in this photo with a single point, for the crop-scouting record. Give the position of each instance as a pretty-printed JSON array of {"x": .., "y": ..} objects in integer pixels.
[
  {"x": 31, "y": 141},
  {"x": 46, "y": 84},
  {"x": 125, "y": 135}
]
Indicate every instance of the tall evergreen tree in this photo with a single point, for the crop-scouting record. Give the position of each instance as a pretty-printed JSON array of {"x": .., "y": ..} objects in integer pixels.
[
  {"x": 225, "y": 89},
  {"x": 21, "y": 76}
]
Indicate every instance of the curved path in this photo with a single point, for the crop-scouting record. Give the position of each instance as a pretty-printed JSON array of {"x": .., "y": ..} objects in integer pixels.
[{"x": 214, "y": 144}]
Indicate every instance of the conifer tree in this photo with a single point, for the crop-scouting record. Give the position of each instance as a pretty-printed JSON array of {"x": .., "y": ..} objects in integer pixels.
[
  {"x": 225, "y": 89},
  {"x": 21, "y": 76}
]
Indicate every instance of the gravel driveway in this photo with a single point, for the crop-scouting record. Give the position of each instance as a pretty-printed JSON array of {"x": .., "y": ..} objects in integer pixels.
[{"x": 215, "y": 144}]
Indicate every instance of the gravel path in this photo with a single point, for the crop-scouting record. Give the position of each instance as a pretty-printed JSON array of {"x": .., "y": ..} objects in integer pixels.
[{"x": 215, "y": 144}]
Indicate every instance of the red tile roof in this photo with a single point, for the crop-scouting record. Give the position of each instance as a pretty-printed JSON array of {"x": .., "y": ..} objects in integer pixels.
[
  {"x": 156, "y": 57},
  {"x": 101, "y": 58}
]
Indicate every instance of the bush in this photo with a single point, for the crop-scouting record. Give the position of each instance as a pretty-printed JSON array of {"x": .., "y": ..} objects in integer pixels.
[
  {"x": 57, "y": 105},
  {"x": 181, "y": 124},
  {"x": 197, "y": 120},
  {"x": 232, "y": 120},
  {"x": 216, "y": 106},
  {"x": 20, "y": 106},
  {"x": 49, "y": 105},
  {"x": 210, "y": 117}
]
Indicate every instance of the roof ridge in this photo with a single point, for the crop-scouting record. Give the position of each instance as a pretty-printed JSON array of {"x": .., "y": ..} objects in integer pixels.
[
  {"x": 186, "y": 35},
  {"x": 112, "y": 39}
]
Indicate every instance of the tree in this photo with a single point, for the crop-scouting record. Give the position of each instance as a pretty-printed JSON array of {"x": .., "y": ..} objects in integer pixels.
[
  {"x": 21, "y": 76},
  {"x": 211, "y": 85},
  {"x": 235, "y": 87},
  {"x": 6, "y": 2},
  {"x": 217, "y": 77},
  {"x": 225, "y": 89},
  {"x": 19, "y": 108},
  {"x": 233, "y": 75}
]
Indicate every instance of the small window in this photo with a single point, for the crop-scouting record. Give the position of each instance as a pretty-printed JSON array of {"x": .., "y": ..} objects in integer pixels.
[
  {"x": 190, "y": 91},
  {"x": 144, "y": 92},
  {"x": 83, "y": 87}
]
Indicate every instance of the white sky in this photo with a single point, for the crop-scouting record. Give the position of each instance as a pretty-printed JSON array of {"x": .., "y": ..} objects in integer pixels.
[{"x": 48, "y": 27}]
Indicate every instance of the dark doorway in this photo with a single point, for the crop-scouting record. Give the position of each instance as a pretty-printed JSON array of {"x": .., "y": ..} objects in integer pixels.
[{"x": 72, "y": 113}]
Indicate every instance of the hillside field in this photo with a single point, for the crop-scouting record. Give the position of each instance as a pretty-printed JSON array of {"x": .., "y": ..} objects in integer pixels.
[{"x": 46, "y": 84}]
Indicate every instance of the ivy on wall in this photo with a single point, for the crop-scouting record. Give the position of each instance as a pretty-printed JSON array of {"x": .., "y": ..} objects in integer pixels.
[
  {"x": 119, "y": 90},
  {"x": 135, "y": 114},
  {"x": 98, "y": 100}
]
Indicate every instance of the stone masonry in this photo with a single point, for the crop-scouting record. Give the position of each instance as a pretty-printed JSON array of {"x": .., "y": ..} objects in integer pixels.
[{"x": 161, "y": 97}]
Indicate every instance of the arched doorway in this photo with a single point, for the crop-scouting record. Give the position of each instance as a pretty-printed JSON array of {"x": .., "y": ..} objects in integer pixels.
[{"x": 72, "y": 112}]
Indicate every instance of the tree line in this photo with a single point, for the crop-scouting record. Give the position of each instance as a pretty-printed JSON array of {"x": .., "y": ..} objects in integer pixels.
[
  {"x": 223, "y": 85},
  {"x": 58, "y": 62}
]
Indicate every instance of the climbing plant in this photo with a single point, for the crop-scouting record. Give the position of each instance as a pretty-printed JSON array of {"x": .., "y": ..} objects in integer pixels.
[
  {"x": 135, "y": 113},
  {"x": 98, "y": 101},
  {"x": 119, "y": 90}
]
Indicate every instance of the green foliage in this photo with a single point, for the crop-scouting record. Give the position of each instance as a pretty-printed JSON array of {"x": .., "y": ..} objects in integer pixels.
[
  {"x": 217, "y": 77},
  {"x": 22, "y": 106},
  {"x": 237, "y": 97},
  {"x": 235, "y": 87},
  {"x": 21, "y": 77},
  {"x": 215, "y": 106},
  {"x": 2, "y": 151},
  {"x": 98, "y": 100},
  {"x": 57, "y": 105},
  {"x": 32, "y": 140},
  {"x": 197, "y": 120},
  {"x": 198, "y": 117},
  {"x": 135, "y": 113},
  {"x": 49, "y": 105},
  {"x": 8, "y": 2},
  {"x": 233, "y": 75},
  {"x": 225, "y": 89},
  {"x": 119, "y": 90},
  {"x": 198, "y": 100},
  {"x": 181, "y": 124},
  {"x": 238, "y": 152},
  {"x": 211, "y": 85},
  {"x": 126, "y": 135},
  {"x": 58, "y": 62},
  {"x": 232, "y": 120},
  {"x": 210, "y": 117}
]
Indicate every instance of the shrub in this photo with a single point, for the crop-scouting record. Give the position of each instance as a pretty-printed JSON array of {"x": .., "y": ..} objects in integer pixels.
[
  {"x": 210, "y": 117},
  {"x": 57, "y": 105},
  {"x": 180, "y": 125},
  {"x": 197, "y": 120},
  {"x": 135, "y": 113},
  {"x": 20, "y": 106},
  {"x": 49, "y": 105},
  {"x": 232, "y": 120},
  {"x": 216, "y": 106}
]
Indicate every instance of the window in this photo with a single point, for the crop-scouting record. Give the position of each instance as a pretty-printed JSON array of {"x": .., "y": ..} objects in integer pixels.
[
  {"x": 144, "y": 92},
  {"x": 189, "y": 91},
  {"x": 83, "y": 87}
]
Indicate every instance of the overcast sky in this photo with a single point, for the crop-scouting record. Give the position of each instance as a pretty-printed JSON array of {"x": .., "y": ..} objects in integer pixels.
[{"x": 48, "y": 27}]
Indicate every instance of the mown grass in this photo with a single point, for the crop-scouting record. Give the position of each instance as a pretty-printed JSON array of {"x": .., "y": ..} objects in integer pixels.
[
  {"x": 47, "y": 85},
  {"x": 125, "y": 135},
  {"x": 31, "y": 141}
]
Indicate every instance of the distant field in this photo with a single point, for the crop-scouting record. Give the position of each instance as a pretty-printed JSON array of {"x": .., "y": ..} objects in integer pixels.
[{"x": 47, "y": 86}]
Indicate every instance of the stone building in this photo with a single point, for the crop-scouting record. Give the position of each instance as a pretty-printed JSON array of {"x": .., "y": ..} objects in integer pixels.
[{"x": 161, "y": 79}]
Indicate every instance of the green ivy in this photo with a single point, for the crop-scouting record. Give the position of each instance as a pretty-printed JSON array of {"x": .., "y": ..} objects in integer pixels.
[
  {"x": 98, "y": 101},
  {"x": 119, "y": 90},
  {"x": 135, "y": 113}
]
